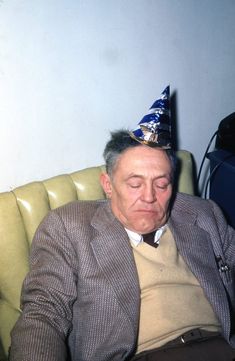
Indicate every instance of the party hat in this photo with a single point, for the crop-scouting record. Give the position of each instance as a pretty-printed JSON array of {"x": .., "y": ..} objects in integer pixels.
[{"x": 154, "y": 129}]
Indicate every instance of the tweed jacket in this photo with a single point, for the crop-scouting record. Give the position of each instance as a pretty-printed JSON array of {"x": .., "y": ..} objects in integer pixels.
[{"x": 81, "y": 298}]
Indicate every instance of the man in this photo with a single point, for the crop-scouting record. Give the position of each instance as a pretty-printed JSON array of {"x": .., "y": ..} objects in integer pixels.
[{"x": 97, "y": 291}]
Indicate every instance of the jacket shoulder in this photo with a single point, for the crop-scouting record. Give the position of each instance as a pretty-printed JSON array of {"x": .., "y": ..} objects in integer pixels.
[
  {"x": 204, "y": 211},
  {"x": 191, "y": 203},
  {"x": 83, "y": 205}
]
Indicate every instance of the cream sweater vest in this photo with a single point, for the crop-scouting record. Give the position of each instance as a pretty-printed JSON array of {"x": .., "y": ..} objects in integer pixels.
[{"x": 172, "y": 301}]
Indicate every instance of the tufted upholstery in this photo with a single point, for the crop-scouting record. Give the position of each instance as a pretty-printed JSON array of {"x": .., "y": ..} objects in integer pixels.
[{"x": 21, "y": 211}]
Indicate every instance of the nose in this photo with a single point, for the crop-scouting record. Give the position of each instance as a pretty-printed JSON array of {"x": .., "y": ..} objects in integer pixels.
[{"x": 149, "y": 194}]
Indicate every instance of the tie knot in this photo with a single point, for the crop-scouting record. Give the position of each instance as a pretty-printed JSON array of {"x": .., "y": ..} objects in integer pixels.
[{"x": 149, "y": 238}]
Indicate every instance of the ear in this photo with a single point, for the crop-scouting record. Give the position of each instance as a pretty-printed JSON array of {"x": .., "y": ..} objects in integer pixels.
[{"x": 106, "y": 184}]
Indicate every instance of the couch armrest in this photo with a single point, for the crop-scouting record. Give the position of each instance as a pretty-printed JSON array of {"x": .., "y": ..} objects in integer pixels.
[{"x": 185, "y": 182}]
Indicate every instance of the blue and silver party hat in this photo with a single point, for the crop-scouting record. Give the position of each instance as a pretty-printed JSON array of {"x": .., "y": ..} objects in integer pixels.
[{"x": 154, "y": 129}]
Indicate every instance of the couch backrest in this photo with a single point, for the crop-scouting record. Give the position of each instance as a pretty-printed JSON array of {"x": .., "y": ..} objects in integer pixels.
[{"x": 21, "y": 211}]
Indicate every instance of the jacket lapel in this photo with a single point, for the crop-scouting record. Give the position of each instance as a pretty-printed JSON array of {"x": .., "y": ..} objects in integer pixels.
[
  {"x": 114, "y": 255},
  {"x": 194, "y": 245}
]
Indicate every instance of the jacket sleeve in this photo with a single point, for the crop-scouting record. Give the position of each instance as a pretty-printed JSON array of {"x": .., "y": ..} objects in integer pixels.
[
  {"x": 224, "y": 249},
  {"x": 227, "y": 236},
  {"x": 48, "y": 294}
]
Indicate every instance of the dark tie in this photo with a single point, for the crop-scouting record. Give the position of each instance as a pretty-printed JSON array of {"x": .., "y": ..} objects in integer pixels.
[{"x": 149, "y": 238}]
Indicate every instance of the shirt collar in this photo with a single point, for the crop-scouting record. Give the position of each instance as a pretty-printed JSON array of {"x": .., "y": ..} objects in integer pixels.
[{"x": 137, "y": 238}]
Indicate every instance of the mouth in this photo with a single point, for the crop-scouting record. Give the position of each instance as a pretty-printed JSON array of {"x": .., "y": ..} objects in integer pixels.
[{"x": 150, "y": 211}]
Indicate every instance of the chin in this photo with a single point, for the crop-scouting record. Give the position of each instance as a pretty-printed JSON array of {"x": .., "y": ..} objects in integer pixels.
[{"x": 147, "y": 228}]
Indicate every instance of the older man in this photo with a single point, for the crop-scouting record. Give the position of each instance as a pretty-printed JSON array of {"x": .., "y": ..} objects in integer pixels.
[{"x": 144, "y": 275}]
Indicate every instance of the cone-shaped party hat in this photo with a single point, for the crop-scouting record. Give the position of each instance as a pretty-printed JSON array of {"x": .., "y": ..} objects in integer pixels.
[{"x": 154, "y": 129}]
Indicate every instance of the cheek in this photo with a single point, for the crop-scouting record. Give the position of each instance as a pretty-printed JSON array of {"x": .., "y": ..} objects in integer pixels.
[
  {"x": 125, "y": 200},
  {"x": 164, "y": 199}
]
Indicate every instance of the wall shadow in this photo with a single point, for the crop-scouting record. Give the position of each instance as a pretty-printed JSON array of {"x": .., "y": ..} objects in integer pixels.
[{"x": 174, "y": 121}]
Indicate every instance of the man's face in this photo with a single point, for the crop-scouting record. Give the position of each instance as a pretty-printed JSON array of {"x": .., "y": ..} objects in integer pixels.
[{"x": 140, "y": 188}]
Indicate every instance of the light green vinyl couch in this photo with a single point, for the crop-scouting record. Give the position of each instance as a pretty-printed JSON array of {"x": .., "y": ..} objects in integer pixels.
[{"x": 21, "y": 211}]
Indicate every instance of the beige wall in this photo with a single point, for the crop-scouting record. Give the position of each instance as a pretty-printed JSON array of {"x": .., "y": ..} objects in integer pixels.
[{"x": 72, "y": 70}]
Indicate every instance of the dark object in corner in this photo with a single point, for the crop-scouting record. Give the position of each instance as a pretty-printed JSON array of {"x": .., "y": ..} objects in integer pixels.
[{"x": 226, "y": 134}]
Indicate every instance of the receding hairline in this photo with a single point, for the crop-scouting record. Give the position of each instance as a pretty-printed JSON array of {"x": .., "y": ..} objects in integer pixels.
[
  {"x": 120, "y": 142},
  {"x": 143, "y": 146}
]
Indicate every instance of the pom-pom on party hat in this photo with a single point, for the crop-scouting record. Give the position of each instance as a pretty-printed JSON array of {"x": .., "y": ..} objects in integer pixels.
[{"x": 154, "y": 129}]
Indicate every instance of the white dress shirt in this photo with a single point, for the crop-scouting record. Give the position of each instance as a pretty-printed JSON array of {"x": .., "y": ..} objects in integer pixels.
[{"x": 137, "y": 238}]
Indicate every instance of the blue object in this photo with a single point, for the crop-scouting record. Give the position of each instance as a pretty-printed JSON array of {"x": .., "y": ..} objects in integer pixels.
[{"x": 222, "y": 182}]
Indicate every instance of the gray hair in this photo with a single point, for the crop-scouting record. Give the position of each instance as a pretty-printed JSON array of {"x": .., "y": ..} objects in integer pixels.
[{"x": 121, "y": 141}]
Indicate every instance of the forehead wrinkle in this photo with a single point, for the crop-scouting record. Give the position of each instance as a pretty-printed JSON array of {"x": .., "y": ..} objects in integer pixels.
[{"x": 141, "y": 176}]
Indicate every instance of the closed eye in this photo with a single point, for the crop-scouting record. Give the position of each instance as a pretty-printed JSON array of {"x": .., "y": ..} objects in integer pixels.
[
  {"x": 162, "y": 184},
  {"x": 134, "y": 185}
]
